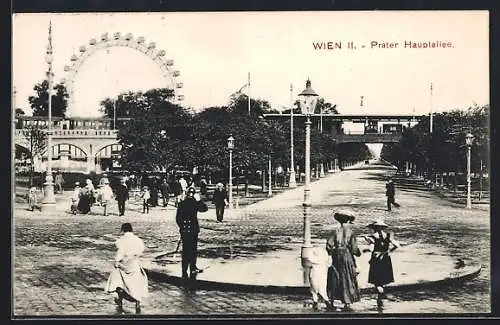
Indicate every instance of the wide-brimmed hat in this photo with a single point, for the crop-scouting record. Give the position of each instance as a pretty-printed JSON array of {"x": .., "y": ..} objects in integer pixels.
[
  {"x": 378, "y": 224},
  {"x": 191, "y": 190},
  {"x": 344, "y": 216},
  {"x": 77, "y": 183}
]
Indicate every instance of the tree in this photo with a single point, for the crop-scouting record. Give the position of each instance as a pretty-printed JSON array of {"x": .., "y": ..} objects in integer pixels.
[
  {"x": 239, "y": 104},
  {"x": 37, "y": 141},
  {"x": 325, "y": 107},
  {"x": 40, "y": 101},
  {"x": 129, "y": 104},
  {"x": 254, "y": 137},
  {"x": 157, "y": 136},
  {"x": 443, "y": 150},
  {"x": 161, "y": 134}
]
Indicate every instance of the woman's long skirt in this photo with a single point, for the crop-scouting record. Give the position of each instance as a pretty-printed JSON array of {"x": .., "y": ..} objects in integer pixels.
[
  {"x": 134, "y": 283},
  {"x": 342, "y": 281},
  {"x": 84, "y": 204}
]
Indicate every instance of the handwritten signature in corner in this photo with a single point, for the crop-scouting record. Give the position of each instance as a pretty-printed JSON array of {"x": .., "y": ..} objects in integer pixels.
[{"x": 454, "y": 275}]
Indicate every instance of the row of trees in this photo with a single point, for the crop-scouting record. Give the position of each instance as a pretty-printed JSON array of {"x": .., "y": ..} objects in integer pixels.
[
  {"x": 161, "y": 134},
  {"x": 444, "y": 150}
]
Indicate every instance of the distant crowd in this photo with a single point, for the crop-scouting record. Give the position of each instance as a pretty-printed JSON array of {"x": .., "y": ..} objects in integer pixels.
[{"x": 153, "y": 191}]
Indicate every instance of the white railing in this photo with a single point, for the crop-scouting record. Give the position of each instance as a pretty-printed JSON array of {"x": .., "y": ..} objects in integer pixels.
[
  {"x": 84, "y": 133},
  {"x": 78, "y": 133}
]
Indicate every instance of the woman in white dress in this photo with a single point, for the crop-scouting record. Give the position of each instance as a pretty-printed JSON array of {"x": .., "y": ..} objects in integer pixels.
[{"x": 128, "y": 280}]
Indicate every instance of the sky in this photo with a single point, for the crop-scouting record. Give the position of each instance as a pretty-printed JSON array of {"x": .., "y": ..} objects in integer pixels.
[{"x": 215, "y": 51}]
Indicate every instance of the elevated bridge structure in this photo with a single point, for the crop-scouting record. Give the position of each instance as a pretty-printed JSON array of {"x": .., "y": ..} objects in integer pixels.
[
  {"x": 78, "y": 144},
  {"x": 359, "y": 128}
]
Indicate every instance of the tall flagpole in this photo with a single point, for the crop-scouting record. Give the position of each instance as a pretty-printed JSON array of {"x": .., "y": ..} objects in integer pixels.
[
  {"x": 430, "y": 131},
  {"x": 292, "y": 183},
  {"x": 431, "y": 117},
  {"x": 248, "y": 93},
  {"x": 361, "y": 108},
  {"x": 114, "y": 114}
]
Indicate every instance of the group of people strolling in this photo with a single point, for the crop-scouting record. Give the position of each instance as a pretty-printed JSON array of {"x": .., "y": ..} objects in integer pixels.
[
  {"x": 339, "y": 281},
  {"x": 84, "y": 197},
  {"x": 342, "y": 275}
]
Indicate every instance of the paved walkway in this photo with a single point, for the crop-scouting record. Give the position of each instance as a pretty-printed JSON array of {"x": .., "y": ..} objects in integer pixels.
[
  {"x": 62, "y": 261},
  {"x": 415, "y": 263}
]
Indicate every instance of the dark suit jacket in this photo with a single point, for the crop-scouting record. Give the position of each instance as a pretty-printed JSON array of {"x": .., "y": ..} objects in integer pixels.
[{"x": 187, "y": 215}]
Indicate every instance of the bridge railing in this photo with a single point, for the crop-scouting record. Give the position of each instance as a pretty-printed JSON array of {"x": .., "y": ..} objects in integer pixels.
[
  {"x": 368, "y": 137},
  {"x": 85, "y": 132}
]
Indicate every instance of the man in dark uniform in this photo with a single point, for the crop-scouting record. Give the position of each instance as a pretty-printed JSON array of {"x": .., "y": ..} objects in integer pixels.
[
  {"x": 122, "y": 196},
  {"x": 187, "y": 220},
  {"x": 390, "y": 191}
]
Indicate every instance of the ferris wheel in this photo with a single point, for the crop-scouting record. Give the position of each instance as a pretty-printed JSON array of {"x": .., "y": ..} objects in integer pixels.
[{"x": 165, "y": 65}]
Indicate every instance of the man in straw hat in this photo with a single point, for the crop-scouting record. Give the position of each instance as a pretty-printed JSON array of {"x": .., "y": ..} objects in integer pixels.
[
  {"x": 383, "y": 243},
  {"x": 106, "y": 195},
  {"x": 342, "y": 246}
]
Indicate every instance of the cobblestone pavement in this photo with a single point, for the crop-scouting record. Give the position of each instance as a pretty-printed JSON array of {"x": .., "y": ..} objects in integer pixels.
[{"x": 62, "y": 261}]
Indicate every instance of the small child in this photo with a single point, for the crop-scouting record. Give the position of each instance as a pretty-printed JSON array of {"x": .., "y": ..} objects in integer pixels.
[
  {"x": 33, "y": 199},
  {"x": 320, "y": 260},
  {"x": 145, "y": 195}
]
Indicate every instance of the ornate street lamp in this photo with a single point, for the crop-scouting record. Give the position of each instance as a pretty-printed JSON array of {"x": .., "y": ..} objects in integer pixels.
[
  {"x": 468, "y": 143},
  {"x": 230, "y": 146},
  {"x": 49, "y": 199},
  {"x": 307, "y": 103}
]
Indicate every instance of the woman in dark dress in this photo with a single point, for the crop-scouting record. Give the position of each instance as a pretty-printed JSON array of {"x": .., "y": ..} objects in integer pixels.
[
  {"x": 85, "y": 200},
  {"x": 381, "y": 272},
  {"x": 342, "y": 246}
]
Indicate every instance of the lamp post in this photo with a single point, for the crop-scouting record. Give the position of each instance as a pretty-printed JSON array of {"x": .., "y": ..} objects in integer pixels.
[
  {"x": 230, "y": 146},
  {"x": 431, "y": 114},
  {"x": 307, "y": 102},
  {"x": 114, "y": 114},
  {"x": 292, "y": 183},
  {"x": 49, "y": 199},
  {"x": 468, "y": 142},
  {"x": 270, "y": 171}
]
